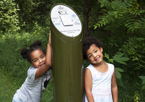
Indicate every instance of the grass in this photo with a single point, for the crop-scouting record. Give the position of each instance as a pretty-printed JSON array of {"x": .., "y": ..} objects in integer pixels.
[{"x": 7, "y": 88}]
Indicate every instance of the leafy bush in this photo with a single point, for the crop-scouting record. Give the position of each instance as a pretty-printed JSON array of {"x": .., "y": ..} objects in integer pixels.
[
  {"x": 127, "y": 10},
  {"x": 143, "y": 79},
  {"x": 8, "y": 16},
  {"x": 134, "y": 48}
]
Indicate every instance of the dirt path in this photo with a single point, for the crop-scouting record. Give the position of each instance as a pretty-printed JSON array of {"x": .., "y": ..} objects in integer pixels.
[{"x": 7, "y": 88}]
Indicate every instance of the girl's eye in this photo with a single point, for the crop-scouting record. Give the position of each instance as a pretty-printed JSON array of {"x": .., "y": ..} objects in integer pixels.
[
  {"x": 90, "y": 56},
  {"x": 35, "y": 60},
  {"x": 42, "y": 56},
  {"x": 96, "y": 50}
]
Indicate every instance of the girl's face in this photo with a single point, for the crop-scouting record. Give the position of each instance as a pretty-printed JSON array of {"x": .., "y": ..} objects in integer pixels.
[
  {"x": 94, "y": 54},
  {"x": 37, "y": 58}
]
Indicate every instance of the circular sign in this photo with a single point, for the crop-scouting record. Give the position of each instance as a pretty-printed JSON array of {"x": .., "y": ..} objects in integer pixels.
[{"x": 66, "y": 20}]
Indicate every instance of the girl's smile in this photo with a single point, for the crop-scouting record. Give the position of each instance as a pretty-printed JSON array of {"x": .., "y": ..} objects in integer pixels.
[
  {"x": 97, "y": 59},
  {"x": 94, "y": 54},
  {"x": 37, "y": 58}
]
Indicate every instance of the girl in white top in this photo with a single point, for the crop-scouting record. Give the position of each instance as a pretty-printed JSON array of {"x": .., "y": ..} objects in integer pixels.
[{"x": 100, "y": 80}]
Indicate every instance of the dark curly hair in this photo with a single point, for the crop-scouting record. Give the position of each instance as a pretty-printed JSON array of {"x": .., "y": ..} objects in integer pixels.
[
  {"x": 87, "y": 42},
  {"x": 34, "y": 46}
]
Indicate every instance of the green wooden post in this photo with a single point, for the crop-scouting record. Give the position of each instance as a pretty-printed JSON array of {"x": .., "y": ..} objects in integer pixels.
[{"x": 66, "y": 33}]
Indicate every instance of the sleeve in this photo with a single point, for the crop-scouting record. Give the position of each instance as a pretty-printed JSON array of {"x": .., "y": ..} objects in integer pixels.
[
  {"x": 47, "y": 73},
  {"x": 31, "y": 73}
]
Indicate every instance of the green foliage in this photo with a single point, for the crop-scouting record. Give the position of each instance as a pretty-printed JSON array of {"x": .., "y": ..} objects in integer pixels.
[
  {"x": 33, "y": 11},
  {"x": 118, "y": 57},
  {"x": 132, "y": 86},
  {"x": 8, "y": 16},
  {"x": 135, "y": 50},
  {"x": 143, "y": 81},
  {"x": 112, "y": 10},
  {"x": 127, "y": 10},
  {"x": 136, "y": 97},
  {"x": 118, "y": 74}
]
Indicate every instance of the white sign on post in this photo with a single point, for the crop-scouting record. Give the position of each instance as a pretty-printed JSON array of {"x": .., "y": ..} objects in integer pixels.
[{"x": 66, "y": 21}]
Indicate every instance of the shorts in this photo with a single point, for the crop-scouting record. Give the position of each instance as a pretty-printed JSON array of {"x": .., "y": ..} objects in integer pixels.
[{"x": 16, "y": 98}]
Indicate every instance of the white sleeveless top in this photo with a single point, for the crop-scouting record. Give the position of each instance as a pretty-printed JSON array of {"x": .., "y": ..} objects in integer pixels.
[{"x": 101, "y": 84}]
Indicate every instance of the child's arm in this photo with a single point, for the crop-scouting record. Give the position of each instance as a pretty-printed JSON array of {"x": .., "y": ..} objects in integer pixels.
[
  {"x": 48, "y": 61},
  {"x": 88, "y": 85},
  {"x": 114, "y": 88},
  {"x": 49, "y": 52}
]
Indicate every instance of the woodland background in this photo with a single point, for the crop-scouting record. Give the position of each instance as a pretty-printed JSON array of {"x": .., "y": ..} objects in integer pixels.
[{"x": 119, "y": 24}]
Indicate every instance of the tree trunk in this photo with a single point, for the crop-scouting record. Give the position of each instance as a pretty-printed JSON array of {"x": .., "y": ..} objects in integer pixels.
[{"x": 86, "y": 18}]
